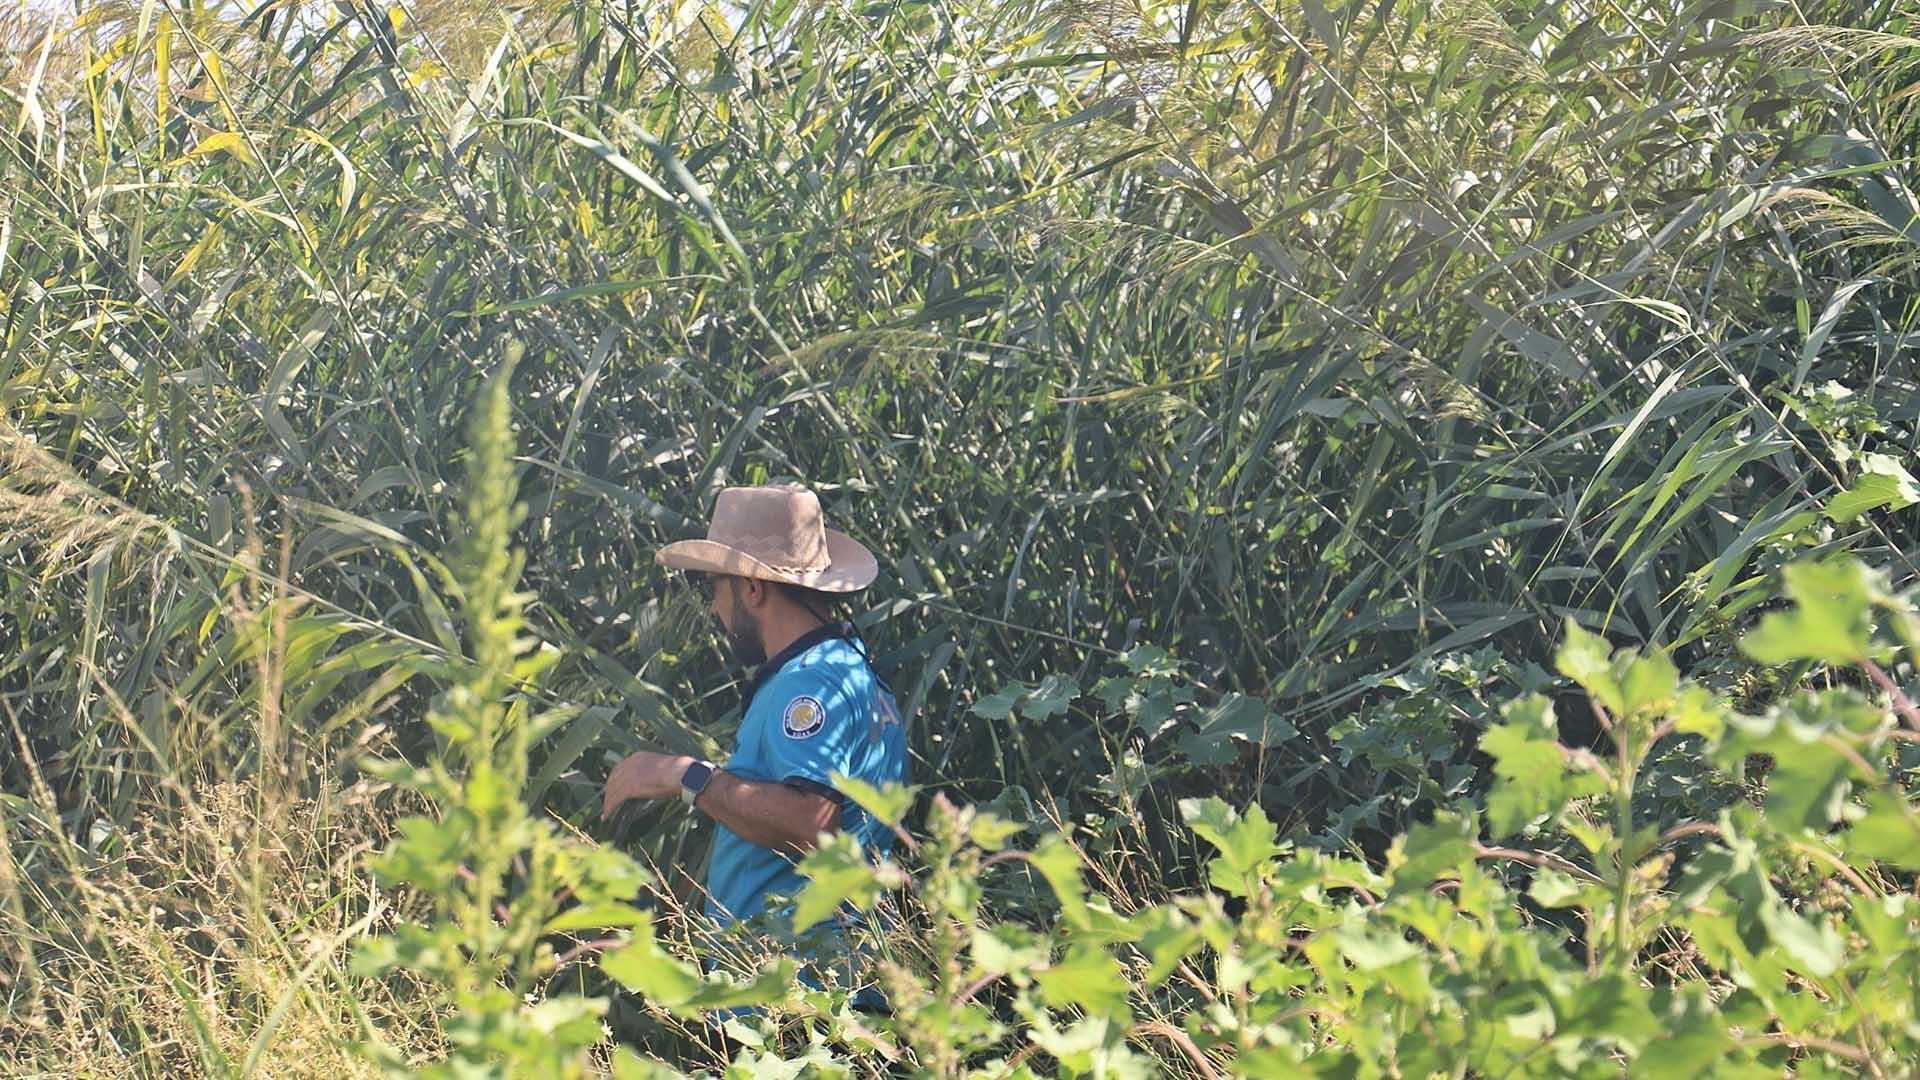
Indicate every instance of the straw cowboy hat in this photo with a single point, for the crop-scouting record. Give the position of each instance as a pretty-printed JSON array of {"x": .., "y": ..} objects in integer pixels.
[{"x": 775, "y": 533}]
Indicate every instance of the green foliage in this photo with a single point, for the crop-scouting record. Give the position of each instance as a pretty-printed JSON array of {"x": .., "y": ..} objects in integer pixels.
[
  {"x": 1357, "y": 356},
  {"x": 1436, "y": 966},
  {"x": 1390, "y": 339},
  {"x": 492, "y": 872},
  {"x": 1535, "y": 777},
  {"x": 1832, "y": 617}
]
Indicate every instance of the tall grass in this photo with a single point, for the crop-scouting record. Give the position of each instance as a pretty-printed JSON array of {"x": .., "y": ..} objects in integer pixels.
[
  {"x": 1496, "y": 347},
  {"x": 1316, "y": 343}
]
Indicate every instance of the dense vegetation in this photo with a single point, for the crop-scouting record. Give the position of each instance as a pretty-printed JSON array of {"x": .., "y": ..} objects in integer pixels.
[{"x": 1267, "y": 412}]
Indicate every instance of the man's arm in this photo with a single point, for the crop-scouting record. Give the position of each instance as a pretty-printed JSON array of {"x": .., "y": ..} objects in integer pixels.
[{"x": 773, "y": 816}]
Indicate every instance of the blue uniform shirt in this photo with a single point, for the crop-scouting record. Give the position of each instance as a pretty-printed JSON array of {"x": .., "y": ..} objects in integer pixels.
[{"x": 816, "y": 709}]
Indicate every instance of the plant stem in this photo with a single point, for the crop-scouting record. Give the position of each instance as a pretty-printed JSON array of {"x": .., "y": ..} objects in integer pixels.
[{"x": 1623, "y": 830}]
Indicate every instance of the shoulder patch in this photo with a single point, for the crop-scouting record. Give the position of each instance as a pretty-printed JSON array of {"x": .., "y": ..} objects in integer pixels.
[{"x": 804, "y": 717}]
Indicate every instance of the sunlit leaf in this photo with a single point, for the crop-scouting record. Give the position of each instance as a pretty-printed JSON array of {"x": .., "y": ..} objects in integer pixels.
[{"x": 1831, "y": 619}]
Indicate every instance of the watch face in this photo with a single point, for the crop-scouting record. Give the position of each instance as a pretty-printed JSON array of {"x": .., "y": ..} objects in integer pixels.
[{"x": 694, "y": 780}]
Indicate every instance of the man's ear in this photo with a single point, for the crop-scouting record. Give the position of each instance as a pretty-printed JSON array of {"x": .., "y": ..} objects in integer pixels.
[{"x": 754, "y": 593}]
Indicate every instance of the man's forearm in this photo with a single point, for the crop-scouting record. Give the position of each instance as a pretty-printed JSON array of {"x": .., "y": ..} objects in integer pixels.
[{"x": 772, "y": 816}]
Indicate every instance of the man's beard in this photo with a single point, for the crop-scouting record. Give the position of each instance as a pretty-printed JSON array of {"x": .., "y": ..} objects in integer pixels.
[{"x": 743, "y": 638}]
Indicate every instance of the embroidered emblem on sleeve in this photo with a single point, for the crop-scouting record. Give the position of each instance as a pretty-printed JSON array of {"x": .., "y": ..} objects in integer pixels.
[{"x": 804, "y": 717}]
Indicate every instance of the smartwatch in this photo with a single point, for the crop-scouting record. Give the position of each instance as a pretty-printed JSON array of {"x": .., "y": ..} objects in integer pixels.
[{"x": 695, "y": 780}]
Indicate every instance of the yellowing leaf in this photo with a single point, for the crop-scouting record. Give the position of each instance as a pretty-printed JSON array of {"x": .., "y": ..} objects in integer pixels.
[
  {"x": 198, "y": 251},
  {"x": 426, "y": 72},
  {"x": 230, "y": 142},
  {"x": 217, "y": 74},
  {"x": 349, "y": 176},
  {"x": 163, "y": 77}
]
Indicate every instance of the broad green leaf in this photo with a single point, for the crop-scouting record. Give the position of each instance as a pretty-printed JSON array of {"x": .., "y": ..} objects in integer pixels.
[
  {"x": 1699, "y": 711},
  {"x": 1002, "y": 949},
  {"x": 1533, "y": 777},
  {"x": 1245, "y": 843},
  {"x": 1693, "y": 1042},
  {"x": 1585, "y": 658},
  {"x": 1059, "y": 864},
  {"x": 1831, "y": 619},
  {"x": 1236, "y": 716},
  {"x": 1088, "y": 977},
  {"x": 1883, "y": 482},
  {"x": 1166, "y": 937},
  {"x": 596, "y": 916},
  {"x": 1152, "y": 703},
  {"x": 1149, "y": 660},
  {"x": 602, "y": 874},
  {"x": 1609, "y": 1006},
  {"x": 1095, "y": 1048},
  {"x": 396, "y": 772},
  {"x": 1814, "y": 947},
  {"x": 645, "y": 968},
  {"x": 426, "y": 852},
  {"x": 1049, "y": 699},
  {"x": 1808, "y": 786},
  {"x": 999, "y": 705},
  {"x": 1043, "y": 702},
  {"x": 1371, "y": 948},
  {"x": 488, "y": 792},
  {"x": 1626, "y": 683},
  {"x": 1649, "y": 683},
  {"x": 1886, "y": 830},
  {"x": 1552, "y": 889},
  {"x": 839, "y": 872},
  {"x": 888, "y": 804},
  {"x": 1525, "y": 1011},
  {"x": 1442, "y": 848},
  {"x": 991, "y": 831},
  {"x": 571, "y": 1019},
  {"x": 1884, "y": 923}
]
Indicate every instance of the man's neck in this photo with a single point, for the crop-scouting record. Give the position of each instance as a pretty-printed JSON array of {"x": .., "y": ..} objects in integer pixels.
[
  {"x": 776, "y": 657},
  {"x": 785, "y": 626}
]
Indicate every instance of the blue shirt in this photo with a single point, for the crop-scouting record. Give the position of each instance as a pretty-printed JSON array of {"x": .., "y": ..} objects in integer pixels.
[{"x": 815, "y": 709}]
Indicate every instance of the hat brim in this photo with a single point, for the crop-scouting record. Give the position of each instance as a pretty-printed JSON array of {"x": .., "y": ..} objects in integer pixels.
[{"x": 850, "y": 566}]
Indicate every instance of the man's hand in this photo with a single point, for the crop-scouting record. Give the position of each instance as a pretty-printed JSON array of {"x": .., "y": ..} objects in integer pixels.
[{"x": 644, "y": 775}]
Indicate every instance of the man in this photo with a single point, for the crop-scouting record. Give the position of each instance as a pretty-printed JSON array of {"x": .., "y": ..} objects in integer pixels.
[{"x": 814, "y": 707}]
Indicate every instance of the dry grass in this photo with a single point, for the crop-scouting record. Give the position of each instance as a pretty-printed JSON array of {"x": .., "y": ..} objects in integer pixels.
[{"x": 200, "y": 942}]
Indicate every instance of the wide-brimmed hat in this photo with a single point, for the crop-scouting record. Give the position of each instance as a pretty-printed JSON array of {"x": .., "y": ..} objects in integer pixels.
[{"x": 775, "y": 533}]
